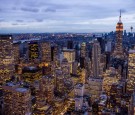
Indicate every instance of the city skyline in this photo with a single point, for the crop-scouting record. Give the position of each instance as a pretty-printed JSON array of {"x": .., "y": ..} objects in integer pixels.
[{"x": 64, "y": 16}]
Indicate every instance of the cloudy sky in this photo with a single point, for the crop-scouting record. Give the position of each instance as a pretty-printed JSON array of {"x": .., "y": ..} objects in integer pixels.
[{"x": 65, "y": 15}]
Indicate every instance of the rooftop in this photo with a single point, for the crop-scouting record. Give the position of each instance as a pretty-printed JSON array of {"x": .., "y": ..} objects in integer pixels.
[
  {"x": 131, "y": 51},
  {"x": 79, "y": 85},
  {"x": 68, "y": 50},
  {"x": 22, "y": 90}
]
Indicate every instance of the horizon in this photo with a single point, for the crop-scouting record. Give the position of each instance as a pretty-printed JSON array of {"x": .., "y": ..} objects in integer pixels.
[{"x": 65, "y": 16}]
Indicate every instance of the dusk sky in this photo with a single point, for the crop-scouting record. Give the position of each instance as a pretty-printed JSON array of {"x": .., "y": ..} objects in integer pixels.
[{"x": 65, "y": 15}]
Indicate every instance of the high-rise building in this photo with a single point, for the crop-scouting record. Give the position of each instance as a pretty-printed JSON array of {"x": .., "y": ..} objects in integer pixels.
[
  {"x": 131, "y": 72},
  {"x": 96, "y": 65},
  {"x": 6, "y": 58},
  {"x": 94, "y": 87},
  {"x": 59, "y": 82},
  {"x": 16, "y": 48},
  {"x": 54, "y": 52},
  {"x": 46, "y": 52},
  {"x": 118, "y": 51},
  {"x": 83, "y": 55},
  {"x": 44, "y": 94},
  {"x": 70, "y": 44},
  {"x": 70, "y": 55},
  {"x": 17, "y": 100},
  {"x": 65, "y": 68},
  {"x": 79, "y": 92},
  {"x": 83, "y": 49},
  {"x": 33, "y": 51},
  {"x": 108, "y": 46}
]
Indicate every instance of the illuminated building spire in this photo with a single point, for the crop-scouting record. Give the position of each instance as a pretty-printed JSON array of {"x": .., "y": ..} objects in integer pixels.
[
  {"x": 118, "y": 51},
  {"x": 120, "y": 17}
]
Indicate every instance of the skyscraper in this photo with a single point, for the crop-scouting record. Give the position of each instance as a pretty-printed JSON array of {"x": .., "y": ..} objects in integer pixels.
[
  {"x": 131, "y": 71},
  {"x": 46, "y": 52},
  {"x": 96, "y": 55},
  {"x": 17, "y": 100},
  {"x": 83, "y": 55},
  {"x": 95, "y": 81},
  {"x": 118, "y": 51},
  {"x": 70, "y": 55},
  {"x": 6, "y": 57}
]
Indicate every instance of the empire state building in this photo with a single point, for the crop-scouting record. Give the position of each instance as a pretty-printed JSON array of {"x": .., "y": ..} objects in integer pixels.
[{"x": 118, "y": 51}]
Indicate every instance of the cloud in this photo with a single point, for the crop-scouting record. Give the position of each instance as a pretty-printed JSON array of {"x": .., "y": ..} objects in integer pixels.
[
  {"x": 35, "y": 10},
  {"x": 14, "y": 24},
  {"x": 39, "y": 20},
  {"x": 50, "y": 10},
  {"x": 19, "y": 20},
  {"x": 2, "y": 20},
  {"x": 66, "y": 15}
]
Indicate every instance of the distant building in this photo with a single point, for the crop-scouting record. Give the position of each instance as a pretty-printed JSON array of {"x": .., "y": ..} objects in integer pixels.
[
  {"x": 70, "y": 44},
  {"x": 16, "y": 48},
  {"x": 131, "y": 72},
  {"x": 108, "y": 46},
  {"x": 44, "y": 94},
  {"x": 70, "y": 55},
  {"x": 118, "y": 51},
  {"x": 95, "y": 87},
  {"x": 46, "y": 52},
  {"x": 83, "y": 55},
  {"x": 33, "y": 51},
  {"x": 6, "y": 58},
  {"x": 79, "y": 92},
  {"x": 65, "y": 68},
  {"x": 96, "y": 58}
]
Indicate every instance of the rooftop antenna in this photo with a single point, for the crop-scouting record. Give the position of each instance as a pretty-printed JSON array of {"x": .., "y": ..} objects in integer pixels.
[
  {"x": 120, "y": 16},
  {"x": 131, "y": 29}
]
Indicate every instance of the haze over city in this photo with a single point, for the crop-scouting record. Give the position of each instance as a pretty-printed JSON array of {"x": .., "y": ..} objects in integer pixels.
[{"x": 23, "y": 16}]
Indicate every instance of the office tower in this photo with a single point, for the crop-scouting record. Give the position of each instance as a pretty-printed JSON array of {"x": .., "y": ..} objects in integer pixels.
[
  {"x": 6, "y": 58},
  {"x": 83, "y": 49},
  {"x": 75, "y": 66},
  {"x": 118, "y": 51},
  {"x": 79, "y": 92},
  {"x": 131, "y": 71},
  {"x": 31, "y": 73},
  {"x": 65, "y": 68},
  {"x": 23, "y": 51},
  {"x": 108, "y": 46},
  {"x": 103, "y": 62},
  {"x": 54, "y": 52},
  {"x": 95, "y": 80},
  {"x": 131, "y": 109},
  {"x": 17, "y": 100},
  {"x": 83, "y": 55},
  {"x": 44, "y": 94},
  {"x": 70, "y": 55},
  {"x": 46, "y": 52},
  {"x": 77, "y": 52},
  {"x": 110, "y": 77},
  {"x": 88, "y": 67},
  {"x": 59, "y": 82},
  {"x": 108, "y": 56},
  {"x": 102, "y": 43},
  {"x": 16, "y": 48},
  {"x": 69, "y": 44},
  {"x": 33, "y": 51},
  {"x": 96, "y": 55},
  {"x": 94, "y": 87}
]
